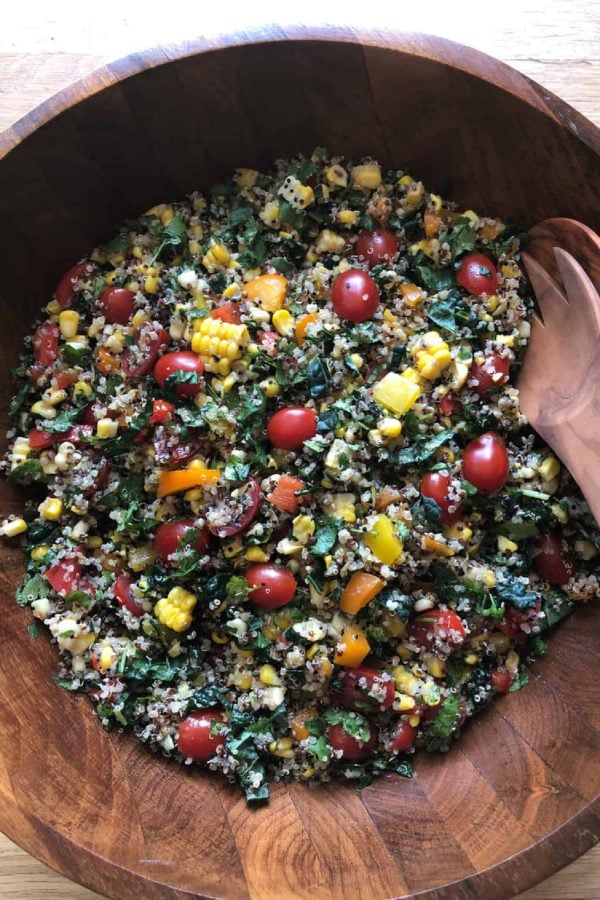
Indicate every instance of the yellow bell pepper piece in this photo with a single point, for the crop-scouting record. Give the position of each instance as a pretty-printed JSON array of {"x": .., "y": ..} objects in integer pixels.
[
  {"x": 352, "y": 648},
  {"x": 383, "y": 541},
  {"x": 396, "y": 392}
]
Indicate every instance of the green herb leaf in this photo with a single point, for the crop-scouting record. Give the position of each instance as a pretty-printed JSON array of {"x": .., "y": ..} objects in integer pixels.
[
  {"x": 556, "y": 606},
  {"x": 462, "y": 238},
  {"x": 438, "y": 733},
  {"x": 421, "y": 449},
  {"x": 353, "y": 723},
  {"x": 32, "y": 589},
  {"x": 317, "y": 377},
  {"x": 521, "y": 679},
  {"x": 326, "y": 536},
  {"x": 27, "y": 473},
  {"x": 516, "y": 594},
  {"x": 237, "y": 588}
]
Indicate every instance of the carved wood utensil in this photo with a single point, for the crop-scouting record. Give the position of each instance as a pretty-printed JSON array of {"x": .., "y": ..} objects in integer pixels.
[
  {"x": 576, "y": 238},
  {"x": 559, "y": 378}
]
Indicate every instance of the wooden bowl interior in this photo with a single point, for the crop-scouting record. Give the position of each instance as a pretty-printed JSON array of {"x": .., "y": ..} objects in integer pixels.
[{"x": 518, "y": 796}]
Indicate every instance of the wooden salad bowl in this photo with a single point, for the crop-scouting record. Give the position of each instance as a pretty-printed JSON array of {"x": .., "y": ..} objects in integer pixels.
[{"x": 518, "y": 796}]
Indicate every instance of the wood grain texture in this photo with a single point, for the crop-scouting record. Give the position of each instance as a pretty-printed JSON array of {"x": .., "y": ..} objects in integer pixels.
[{"x": 458, "y": 810}]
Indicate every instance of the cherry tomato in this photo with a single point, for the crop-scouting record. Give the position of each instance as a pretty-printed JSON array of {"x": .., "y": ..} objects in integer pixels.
[
  {"x": 125, "y": 597},
  {"x": 62, "y": 380},
  {"x": 477, "y": 274},
  {"x": 448, "y": 405},
  {"x": 404, "y": 737},
  {"x": 168, "y": 537},
  {"x": 272, "y": 586},
  {"x": 551, "y": 562},
  {"x": 239, "y": 511},
  {"x": 148, "y": 342},
  {"x": 514, "y": 620},
  {"x": 437, "y": 626},
  {"x": 355, "y": 296},
  {"x": 162, "y": 411},
  {"x": 486, "y": 464},
  {"x": 117, "y": 305},
  {"x": 180, "y": 361},
  {"x": 66, "y": 286},
  {"x": 196, "y": 740},
  {"x": 362, "y": 690},
  {"x": 501, "y": 680},
  {"x": 352, "y": 749},
  {"x": 436, "y": 486},
  {"x": 268, "y": 342},
  {"x": 40, "y": 440},
  {"x": 492, "y": 373},
  {"x": 45, "y": 344},
  {"x": 77, "y": 434},
  {"x": 290, "y": 427},
  {"x": 228, "y": 312},
  {"x": 376, "y": 247},
  {"x": 64, "y": 576}
]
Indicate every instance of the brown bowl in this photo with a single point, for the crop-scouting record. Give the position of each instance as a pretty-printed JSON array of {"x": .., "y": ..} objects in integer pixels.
[{"x": 519, "y": 796}]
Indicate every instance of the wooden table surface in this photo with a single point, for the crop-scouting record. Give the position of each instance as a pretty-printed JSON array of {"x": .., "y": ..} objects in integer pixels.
[{"x": 554, "y": 42}]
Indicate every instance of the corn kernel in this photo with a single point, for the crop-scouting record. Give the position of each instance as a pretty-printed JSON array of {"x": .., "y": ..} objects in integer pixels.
[
  {"x": 245, "y": 178},
  {"x": 367, "y": 176},
  {"x": 242, "y": 680},
  {"x": 218, "y": 636},
  {"x": 348, "y": 217},
  {"x": 435, "y": 665},
  {"x": 329, "y": 242},
  {"x": 414, "y": 721},
  {"x": 337, "y": 176},
  {"x": 82, "y": 387},
  {"x": 255, "y": 554},
  {"x": 282, "y": 748},
  {"x": 269, "y": 387},
  {"x": 44, "y": 410},
  {"x": 53, "y": 308},
  {"x": 389, "y": 427},
  {"x": 471, "y": 659},
  {"x": 458, "y": 532},
  {"x": 404, "y": 702},
  {"x": 268, "y": 675},
  {"x": 13, "y": 527},
  {"x": 151, "y": 284},
  {"x": 283, "y": 322},
  {"x": 107, "y": 657},
  {"x": 106, "y": 428},
  {"x": 585, "y": 550},
  {"x": 51, "y": 509},
  {"x": 94, "y": 542},
  {"x": 549, "y": 468},
  {"x": 68, "y": 323},
  {"x": 505, "y": 545},
  {"x": 38, "y": 553},
  {"x": 194, "y": 247}
]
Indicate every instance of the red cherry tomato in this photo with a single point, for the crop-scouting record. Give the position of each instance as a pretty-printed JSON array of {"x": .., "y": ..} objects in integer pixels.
[
  {"x": 268, "y": 342},
  {"x": 501, "y": 680},
  {"x": 148, "y": 342},
  {"x": 64, "y": 576},
  {"x": 290, "y": 427},
  {"x": 404, "y": 737},
  {"x": 355, "y": 296},
  {"x": 45, "y": 344},
  {"x": 40, "y": 440},
  {"x": 272, "y": 586},
  {"x": 228, "y": 312},
  {"x": 486, "y": 464},
  {"x": 436, "y": 486},
  {"x": 196, "y": 740},
  {"x": 180, "y": 361},
  {"x": 117, "y": 305},
  {"x": 162, "y": 412},
  {"x": 376, "y": 247},
  {"x": 477, "y": 274},
  {"x": 352, "y": 749},
  {"x": 62, "y": 380},
  {"x": 448, "y": 405},
  {"x": 78, "y": 434},
  {"x": 492, "y": 373},
  {"x": 551, "y": 562},
  {"x": 362, "y": 690},
  {"x": 238, "y": 511},
  {"x": 517, "y": 624},
  {"x": 168, "y": 537},
  {"x": 437, "y": 627},
  {"x": 66, "y": 286},
  {"x": 125, "y": 597}
]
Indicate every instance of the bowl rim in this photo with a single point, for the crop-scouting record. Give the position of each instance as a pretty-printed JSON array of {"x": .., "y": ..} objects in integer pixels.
[{"x": 544, "y": 856}]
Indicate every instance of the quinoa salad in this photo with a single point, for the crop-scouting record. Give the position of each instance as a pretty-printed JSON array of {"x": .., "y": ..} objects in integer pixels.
[{"x": 282, "y": 515}]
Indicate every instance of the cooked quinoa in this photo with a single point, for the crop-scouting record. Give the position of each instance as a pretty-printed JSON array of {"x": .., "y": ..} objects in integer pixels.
[{"x": 245, "y": 426}]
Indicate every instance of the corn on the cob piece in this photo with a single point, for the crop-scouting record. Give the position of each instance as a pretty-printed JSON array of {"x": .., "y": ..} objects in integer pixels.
[{"x": 219, "y": 343}]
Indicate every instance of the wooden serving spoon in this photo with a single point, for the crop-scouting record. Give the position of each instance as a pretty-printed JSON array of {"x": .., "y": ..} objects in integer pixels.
[
  {"x": 576, "y": 238},
  {"x": 559, "y": 378}
]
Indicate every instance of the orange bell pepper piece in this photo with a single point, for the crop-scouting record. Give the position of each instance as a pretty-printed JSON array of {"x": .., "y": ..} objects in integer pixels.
[
  {"x": 267, "y": 291},
  {"x": 412, "y": 294},
  {"x": 353, "y": 648},
  {"x": 283, "y": 496},
  {"x": 432, "y": 223},
  {"x": 178, "y": 480},
  {"x": 359, "y": 591},
  {"x": 302, "y": 325}
]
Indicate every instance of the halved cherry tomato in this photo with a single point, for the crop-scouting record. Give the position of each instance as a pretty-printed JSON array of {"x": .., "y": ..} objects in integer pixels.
[
  {"x": 77, "y": 434},
  {"x": 45, "y": 344},
  {"x": 514, "y": 620},
  {"x": 117, "y": 305},
  {"x": 486, "y": 464},
  {"x": 195, "y": 739},
  {"x": 404, "y": 737},
  {"x": 290, "y": 427},
  {"x": 437, "y": 627},
  {"x": 355, "y": 296},
  {"x": 40, "y": 440},
  {"x": 148, "y": 341},
  {"x": 234, "y": 514},
  {"x": 64, "y": 576},
  {"x": 501, "y": 680},
  {"x": 66, "y": 286},
  {"x": 271, "y": 586},
  {"x": 285, "y": 493},
  {"x": 477, "y": 274},
  {"x": 492, "y": 373},
  {"x": 448, "y": 405},
  {"x": 162, "y": 411},
  {"x": 124, "y": 596},
  {"x": 62, "y": 380},
  {"x": 376, "y": 247},
  {"x": 228, "y": 312},
  {"x": 551, "y": 562},
  {"x": 362, "y": 689},
  {"x": 169, "y": 535},
  {"x": 183, "y": 361},
  {"x": 352, "y": 749},
  {"x": 436, "y": 486}
]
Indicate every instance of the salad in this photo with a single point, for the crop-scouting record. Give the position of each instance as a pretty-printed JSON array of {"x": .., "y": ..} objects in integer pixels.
[{"x": 282, "y": 515}]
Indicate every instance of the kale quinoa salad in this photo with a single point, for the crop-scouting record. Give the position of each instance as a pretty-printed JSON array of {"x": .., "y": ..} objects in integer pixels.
[{"x": 282, "y": 515}]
